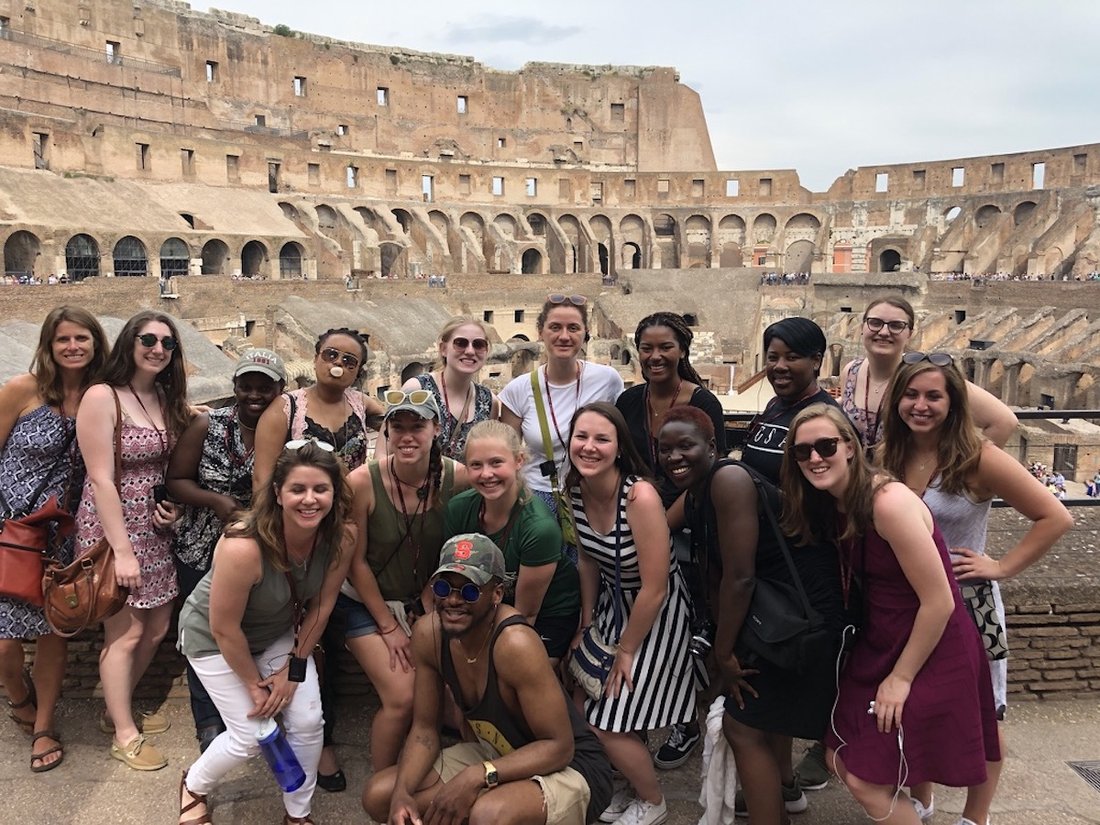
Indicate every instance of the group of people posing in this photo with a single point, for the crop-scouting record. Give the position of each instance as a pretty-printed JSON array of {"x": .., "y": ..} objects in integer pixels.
[{"x": 487, "y": 537}]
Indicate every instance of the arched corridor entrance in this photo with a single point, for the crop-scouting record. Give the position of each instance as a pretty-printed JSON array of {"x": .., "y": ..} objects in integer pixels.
[
  {"x": 20, "y": 254},
  {"x": 81, "y": 257},
  {"x": 889, "y": 260}
]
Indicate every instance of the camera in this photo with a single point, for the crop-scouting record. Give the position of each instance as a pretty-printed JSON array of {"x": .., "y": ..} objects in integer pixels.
[
  {"x": 702, "y": 638},
  {"x": 548, "y": 468},
  {"x": 297, "y": 670}
]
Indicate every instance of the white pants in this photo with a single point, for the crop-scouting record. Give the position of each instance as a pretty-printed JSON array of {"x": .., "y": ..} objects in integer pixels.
[{"x": 302, "y": 720}]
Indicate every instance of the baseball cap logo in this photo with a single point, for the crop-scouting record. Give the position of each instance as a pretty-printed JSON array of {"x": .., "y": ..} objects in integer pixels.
[{"x": 463, "y": 549}]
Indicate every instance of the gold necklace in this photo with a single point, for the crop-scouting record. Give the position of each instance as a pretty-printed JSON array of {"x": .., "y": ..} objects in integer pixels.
[{"x": 484, "y": 644}]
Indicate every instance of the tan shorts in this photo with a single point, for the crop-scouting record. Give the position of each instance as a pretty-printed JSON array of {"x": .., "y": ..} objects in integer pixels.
[{"x": 565, "y": 793}]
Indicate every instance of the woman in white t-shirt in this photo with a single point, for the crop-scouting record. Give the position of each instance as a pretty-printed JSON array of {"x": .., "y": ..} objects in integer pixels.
[{"x": 566, "y": 382}]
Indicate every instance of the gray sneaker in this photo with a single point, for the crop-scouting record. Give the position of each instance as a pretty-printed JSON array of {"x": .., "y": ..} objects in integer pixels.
[{"x": 811, "y": 771}]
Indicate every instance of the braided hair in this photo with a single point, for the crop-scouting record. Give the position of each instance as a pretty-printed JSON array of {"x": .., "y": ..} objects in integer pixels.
[{"x": 684, "y": 337}]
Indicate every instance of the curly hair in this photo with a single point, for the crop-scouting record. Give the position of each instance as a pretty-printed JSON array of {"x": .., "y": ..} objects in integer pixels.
[
  {"x": 121, "y": 366},
  {"x": 264, "y": 522},
  {"x": 687, "y": 414},
  {"x": 959, "y": 443},
  {"x": 44, "y": 369},
  {"x": 684, "y": 337},
  {"x": 360, "y": 339},
  {"x": 811, "y": 514}
]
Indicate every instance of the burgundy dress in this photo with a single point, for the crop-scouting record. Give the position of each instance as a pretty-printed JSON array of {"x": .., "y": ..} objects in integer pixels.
[{"x": 949, "y": 720}]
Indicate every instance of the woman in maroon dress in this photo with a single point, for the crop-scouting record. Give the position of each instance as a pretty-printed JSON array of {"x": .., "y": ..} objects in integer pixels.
[{"x": 915, "y": 702}]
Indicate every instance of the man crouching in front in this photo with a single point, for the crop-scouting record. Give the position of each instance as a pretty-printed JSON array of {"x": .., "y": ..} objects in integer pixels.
[{"x": 534, "y": 760}]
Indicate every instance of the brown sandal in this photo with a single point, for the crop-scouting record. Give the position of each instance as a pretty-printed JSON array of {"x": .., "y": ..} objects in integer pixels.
[
  {"x": 26, "y": 725},
  {"x": 196, "y": 800},
  {"x": 40, "y": 757}
]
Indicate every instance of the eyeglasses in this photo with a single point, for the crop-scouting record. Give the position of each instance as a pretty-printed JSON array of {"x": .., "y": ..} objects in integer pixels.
[
  {"x": 876, "y": 324},
  {"x": 395, "y": 397},
  {"x": 298, "y": 443},
  {"x": 824, "y": 447},
  {"x": 331, "y": 356},
  {"x": 148, "y": 340},
  {"x": 558, "y": 298},
  {"x": 936, "y": 359},
  {"x": 479, "y": 344},
  {"x": 469, "y": 591}
]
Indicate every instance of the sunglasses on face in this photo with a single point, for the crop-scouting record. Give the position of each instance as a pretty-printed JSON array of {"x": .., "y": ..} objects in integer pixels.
[
  {"x": 346, "y": 359},
  {"x": 557, "y": 298},
  {"x": 148, "y": 340},
  {"x": 876, "y": 324},
  {"x": 479, "y": 344},
  {"x": 395, "y": 397},
  {"x": 298, "y": 443},
  {"x": 936, "y": 359},
  {"x": 469, "y": 591},
  {"x": 824, "y": 447}
]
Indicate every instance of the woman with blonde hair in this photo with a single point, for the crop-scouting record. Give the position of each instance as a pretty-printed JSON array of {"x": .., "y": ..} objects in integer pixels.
[
  {"x": 541, "y": 583},
  {"x": 914, "y": 702},
  {"x": 463, "y": 348},
  {"x": 932, "y": 445},
  {"x": 39, "y": 459},
  {"x": 144, "y": 394}
]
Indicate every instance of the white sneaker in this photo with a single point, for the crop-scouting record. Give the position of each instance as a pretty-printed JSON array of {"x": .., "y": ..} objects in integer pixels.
[
  {"x": 640, "y": 812},
  {"x": 924, "y": 813},
  {"x": 964, "y": 821},
  {"x": 620, "y": 801}
]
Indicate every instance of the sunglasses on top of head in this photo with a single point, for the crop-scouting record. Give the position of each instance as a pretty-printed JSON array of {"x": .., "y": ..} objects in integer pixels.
[
  {"x": 936, "y": 359},
  {"x": 298, "y": 443},
  {"x": 395, "y": 397},
  {"x": 469, "y": 591},
  {"x": 876, "y": 324},
  {"x": 148, "y": 340},
  {"x": 824, "y": 447},
  {"x": 479, "y": 344},
  {"x": 558, "y": 298},
  {"x": 330, "y": 356}
]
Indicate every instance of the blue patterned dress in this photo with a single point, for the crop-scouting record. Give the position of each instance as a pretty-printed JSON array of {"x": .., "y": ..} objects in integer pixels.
[{"x": 31, "y": 450}]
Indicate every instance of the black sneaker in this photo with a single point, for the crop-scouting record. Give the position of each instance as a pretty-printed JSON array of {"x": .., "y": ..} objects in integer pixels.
[
  {"x": 813, "y": 774},
  {"x": 676, "y": 751},
  {"x": 793, "y": 800}
]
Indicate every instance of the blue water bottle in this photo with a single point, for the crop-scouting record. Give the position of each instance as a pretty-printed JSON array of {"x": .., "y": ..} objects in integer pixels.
[{"x": 280, "y": 756}]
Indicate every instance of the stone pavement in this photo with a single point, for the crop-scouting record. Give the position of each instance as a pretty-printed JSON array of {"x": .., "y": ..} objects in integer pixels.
[{"x": 90, "y": 788}]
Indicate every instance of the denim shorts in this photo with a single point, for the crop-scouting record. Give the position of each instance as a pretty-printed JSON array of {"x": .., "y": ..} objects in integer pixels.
[{"x": 357, "y": 619}]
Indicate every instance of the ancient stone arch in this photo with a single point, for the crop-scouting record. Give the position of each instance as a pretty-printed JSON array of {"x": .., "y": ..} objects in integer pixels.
[
  {"x": 799, "y": 256},
  {"x": 697, "y": 240},
  {"x": 1023, "y": 211},
  {"x": 537, "y": 222},
  {"x": 130, "y": 258},
  {"x": 763, "y": 228},
  {"x": 394, "y": 258},
  {"x": 803, "y": 221},
  {"x": 986, "y": 215},
  {"x": 175, "y": 258},
  {"x": 81, "y": 257},
  {"x": 215, "y": 257},
  {"x": 290, "y": 260},
  {"x": 506, "y": 224},
  {"x": 21, "y": 251},
  {"x": 531, "y": 263},
  {"x": 327, "y": 219},
  {"x": 254, "y": 259},
  {"x": 404, "y": 218},
  {"x": 889, "y": 260}
]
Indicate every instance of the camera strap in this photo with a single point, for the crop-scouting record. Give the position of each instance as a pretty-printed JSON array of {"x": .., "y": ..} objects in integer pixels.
[
  {"x": 298, "y": 610},
  {"x": 544, "y": 426}
]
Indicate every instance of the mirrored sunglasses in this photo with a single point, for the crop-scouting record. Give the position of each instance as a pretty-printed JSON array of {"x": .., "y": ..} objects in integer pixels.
[
  {"x": 876, "y": 324},
  {"x": 395, "y": 397},
  {"x": 560, "y": 298},
  {"x": 298, "y": 443},
  {"x": 824, "y": 447},
  {"x": 148, "y": 340},
  {"x": 469, "y": 591},
  {"x": 936, "y": 359},
  {"x": 346, "y": 359},
  {"x": 479, "y": 344}
]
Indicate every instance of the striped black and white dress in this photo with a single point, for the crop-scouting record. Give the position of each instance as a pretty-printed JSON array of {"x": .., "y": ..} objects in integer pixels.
[{"x": 664, "y": 679}]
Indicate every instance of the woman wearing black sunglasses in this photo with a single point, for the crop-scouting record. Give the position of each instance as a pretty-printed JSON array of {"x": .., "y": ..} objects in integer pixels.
[
  {"x": 914, "y": 701},
  {"x": 332, "y": 411},
  {"x": 932, "y": 445},
  {"x": 888, "y": 325},
  {"x": 144, "y": 380},
  {"x": 463, "y": 348}
]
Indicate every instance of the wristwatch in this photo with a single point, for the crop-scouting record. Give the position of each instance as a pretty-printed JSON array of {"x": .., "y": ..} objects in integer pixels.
[{"x": 492, "y": 778}]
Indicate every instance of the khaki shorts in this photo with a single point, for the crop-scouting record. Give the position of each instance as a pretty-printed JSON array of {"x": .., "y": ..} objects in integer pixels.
[{"x": 565, "y": 793}]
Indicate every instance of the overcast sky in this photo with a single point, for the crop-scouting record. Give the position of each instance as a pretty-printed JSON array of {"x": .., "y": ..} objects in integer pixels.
[{"x": 816, "y": 86}]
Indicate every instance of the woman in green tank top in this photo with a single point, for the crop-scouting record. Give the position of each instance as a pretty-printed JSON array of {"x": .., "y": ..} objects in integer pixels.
[
  {"x": 398, "y": 514},
  {"x": 250, "y": 625}
]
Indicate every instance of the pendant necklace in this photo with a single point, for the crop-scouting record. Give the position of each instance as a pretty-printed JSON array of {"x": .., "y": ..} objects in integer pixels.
[{"x": 484, "y": 644}]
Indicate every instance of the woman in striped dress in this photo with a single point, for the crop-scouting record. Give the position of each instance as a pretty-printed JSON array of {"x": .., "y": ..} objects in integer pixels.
[{"x": 652, "y": 683}]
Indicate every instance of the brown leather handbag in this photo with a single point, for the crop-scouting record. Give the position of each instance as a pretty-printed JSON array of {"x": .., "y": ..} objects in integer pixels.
[
  {"x": 86, "y": 592},
  {"x": 24, "y": 544}
]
